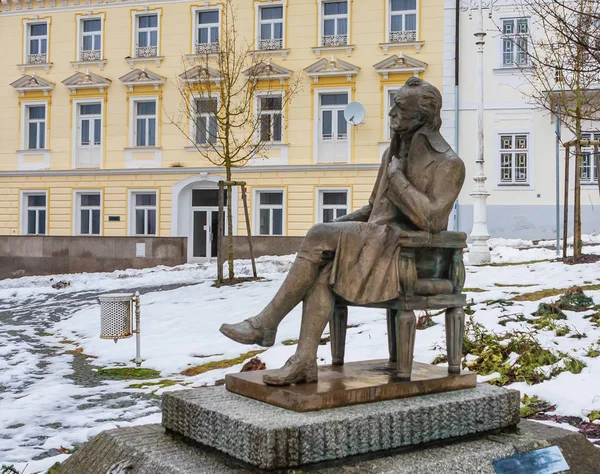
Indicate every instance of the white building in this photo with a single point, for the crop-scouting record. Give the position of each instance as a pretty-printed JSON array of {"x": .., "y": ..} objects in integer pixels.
[{"x": 520, "y": 137}]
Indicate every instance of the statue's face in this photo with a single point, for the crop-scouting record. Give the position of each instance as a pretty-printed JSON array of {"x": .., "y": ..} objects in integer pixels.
[{"x": 404, "y": 118}]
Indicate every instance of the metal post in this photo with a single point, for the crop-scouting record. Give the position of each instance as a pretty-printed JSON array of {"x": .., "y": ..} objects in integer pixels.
[
  {"x": 566, "y": 204},
  {"x": 577, "y": 201},
  {"x": 597, "y": 159},
  {"x": 138, "y": 356},
  {"x": 480, "y": 252},
  {"x": 249, "y": 231},
  {"x": 220, "y": 227},
  {"x": 558, "y": 183}
]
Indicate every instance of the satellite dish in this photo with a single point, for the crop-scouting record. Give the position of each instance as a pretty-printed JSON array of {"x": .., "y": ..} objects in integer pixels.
[{"x": 354, "y": 113}]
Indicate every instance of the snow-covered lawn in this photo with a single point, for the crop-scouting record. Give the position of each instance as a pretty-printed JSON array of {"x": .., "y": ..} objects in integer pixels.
[{"x": 42, "y": 411}]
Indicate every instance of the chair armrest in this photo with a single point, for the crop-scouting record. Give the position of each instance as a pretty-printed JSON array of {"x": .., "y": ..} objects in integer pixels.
[{"x": 442, "y": 240}]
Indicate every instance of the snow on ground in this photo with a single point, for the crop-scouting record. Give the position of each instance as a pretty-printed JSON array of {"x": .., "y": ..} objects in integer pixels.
[{"x": 180, "y": 329}]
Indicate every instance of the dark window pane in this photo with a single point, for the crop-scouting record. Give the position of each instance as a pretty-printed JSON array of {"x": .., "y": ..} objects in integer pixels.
[
  {"x": 329, "y": 28},
  {"x": 271, "y": 13},
  {"x": 203, "y": 35},
  {"x": 151, "y": 132},
  {"x": 34, "y": 47},
  {"x": 32, "y": 142},
  {"x": 206, "y": 106},
  {"x": 97, "y": 132},
  {"x": 208, "y": 17},
  {"x": 96, "y": 221},
  {"x": 201, "y": 130},
  {"x": 141, "y": 132},
  {"x": 90, "y": 199},
  {"x": 199, "y": 234},
  {"x": 31, "y": 215},
  {"x": 265, "y": 128},
  {"x": 146, "y": 108},
  {"x": 44, "y": 46},
  {"x": 214, "y": 35},
  {"x": 277, "y": 128},
  {"x": 336, "y": 8},
  {"x": 145, "y": 199},
  {"x": 85, "y": 221},
  {"x": 265, "y": 216},
  {"x": 152, "y": 222},
  {"x": 85, "y": 132},
  {"x": 398, "y": 5},
  {"x": 327, "y": 215},
  {"x": 327, "y": 125},
  {"x": 42, "y": 222},
  {"x": 277, "y": 221},
  {"x": 278, "y": 27},
  {"x": 91, "y": 109},
  {"x": 335, "y": 198},
  {"x": 265, "y": 31},
  {"x": 397, "y": 23},
  {"x": 342, "y": 125},
  {"x": 142, "y": 39},
  {"x": 37, "y": 200},
  {"x": 340, "y": 212},
  {"x": 148, "y": 21},
  {"x": 42, "y": 135},
  {"x": 334, "y": 99},
  {"x": 271, "y": 198},
  {"x": 37, "y": 112},
  {"x": 342, "y": 26},
  {"x": 139, "y": 221},
  {"x": 39, "y": 30},
  {"x": 153, "y": 38},
  {"x": 207, "y": 197},
  {"x": 88, "y": 43},
  {"x": 92, "y": 25},
  {"x": 270, "y": 103},
  {"x": 411, "y": 22}
]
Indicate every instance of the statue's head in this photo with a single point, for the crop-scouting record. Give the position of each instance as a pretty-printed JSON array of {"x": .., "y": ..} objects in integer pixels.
[{"x": 417, "y": 103}]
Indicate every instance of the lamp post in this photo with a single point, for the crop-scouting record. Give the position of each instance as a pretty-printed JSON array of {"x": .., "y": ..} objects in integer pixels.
[{"x": 479, "y": 252}]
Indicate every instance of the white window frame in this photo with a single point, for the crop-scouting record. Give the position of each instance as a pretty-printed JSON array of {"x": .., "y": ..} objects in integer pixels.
[
  {"x": 317, "y": 120},
  {"x": 258, "y": 206},
  {"x": 511, "y": 36},
  {"x": 196, "y": 23},
  {"x": 594, "y": 135},
  {"x": 514, "y": 186},
  {"x": 259, "y": 6},
  {"x": 193, "y": 128},
  {"x": 259, "y": 113},
  {"x": 133, "y": 207},
  {"x": 321, "y": 28},
  {"x": 388, "y": 104},
  {"x": 25, "y": 124},
  {"x": 133, "y": 124},
  {"x": 77, "y": 103},
  {"x": 319, "y": 200},
  {"x": 135, "y": 30},
  {"x": 388, "y": 25},
  {"x": 80, "y": 34},
  {"x": 25, "y": 208},
  {"x": 77, "y": 207},
  {"x": 27, "y": 43}
]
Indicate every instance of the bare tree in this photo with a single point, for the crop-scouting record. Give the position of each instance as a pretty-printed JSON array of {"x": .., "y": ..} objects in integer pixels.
[
  {"x": 219, "y": 89},
  {"x": 559, "y": 55}
]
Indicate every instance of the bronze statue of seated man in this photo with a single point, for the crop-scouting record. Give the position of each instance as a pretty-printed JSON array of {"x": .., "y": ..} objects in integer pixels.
[{"x": 355, "y": 257}]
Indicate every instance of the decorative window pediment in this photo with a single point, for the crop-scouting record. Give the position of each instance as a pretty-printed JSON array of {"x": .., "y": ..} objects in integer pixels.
[
  {"x": 331, "y": 67},
  {"x": 86, "y": 80},
  {"x": 142, "y": 77},
  {"x": 400, "y": 64},
  {"x": 266, "y": 70},
  {"x": 32, "y": 83},
  {"x": 201, "y": 74}
]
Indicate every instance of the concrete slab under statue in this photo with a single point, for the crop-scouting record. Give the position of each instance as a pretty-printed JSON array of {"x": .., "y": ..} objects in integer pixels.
[{"x": 368, "y": 416}]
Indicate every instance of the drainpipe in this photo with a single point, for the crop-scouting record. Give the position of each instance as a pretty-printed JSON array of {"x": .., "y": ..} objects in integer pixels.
[{"x": 456, "y": 101}]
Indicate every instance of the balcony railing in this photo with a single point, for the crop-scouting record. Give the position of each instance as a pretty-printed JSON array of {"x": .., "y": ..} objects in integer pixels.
[
  {"x": 272, "y": 43},
  {"x": 146, "y": 51},
  {"x": 41, "y": 58},
  {"x": 91, "y": 55},
  {"x": 402, "y": 36},
  {"x": 335, "y": 40},
  {"x": 207, "y": 48},
  {"x": 88, "y": 157}
]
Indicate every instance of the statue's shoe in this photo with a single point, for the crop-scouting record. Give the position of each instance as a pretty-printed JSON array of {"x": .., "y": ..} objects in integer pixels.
[
  {"x": 250, "y": 331},
  {"x": 295, "y": 370}
]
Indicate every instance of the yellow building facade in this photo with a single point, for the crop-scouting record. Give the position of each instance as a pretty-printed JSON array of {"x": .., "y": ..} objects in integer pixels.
[{"x": 88, "y": 92}]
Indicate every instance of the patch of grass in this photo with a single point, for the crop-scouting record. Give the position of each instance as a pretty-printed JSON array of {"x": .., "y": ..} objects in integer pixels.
[
  {"x": 67, "y": 341},
  {"x": 127, "y": 373},
  {"x": 290, "y": 342},
  {"x": 160, "y": 384},
  {"x": 473, "y": 290},
  {"x": 511, "y": 264},
  {"x": 504, "y": 319},
  {"x": 594, "y": 317},
  {"x": 578, "y": 335},
  {"x": 220, "y": 364},
  {"x": 10, "y": 469},
  {"x": 440, "y": 359},
  {"x": 570, "y": 299},
  {"x": 532, "y": 405},
  {"x": 501, "y": 302},
  {"x": 575, "y": 366},
  {"x": 575, "y": 299},
  {"x": 592, "y": 352},
  {"x": 513, "y": 285},
  {"x": 207, "y": 356},
  {"x": 594, "y": 415},
  {"x": 538, "y": 295},
  {"x": 562, "y": 330}
]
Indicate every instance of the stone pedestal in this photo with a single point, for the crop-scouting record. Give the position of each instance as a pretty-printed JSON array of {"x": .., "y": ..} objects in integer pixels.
[{"x": 270, "y": 437}]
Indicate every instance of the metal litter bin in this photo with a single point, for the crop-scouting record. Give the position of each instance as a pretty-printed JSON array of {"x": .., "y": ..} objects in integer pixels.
[{"x": 116, "y": 318}]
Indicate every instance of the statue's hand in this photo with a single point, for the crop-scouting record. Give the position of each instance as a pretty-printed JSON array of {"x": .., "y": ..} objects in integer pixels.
[{"x": 396, "y": 165}]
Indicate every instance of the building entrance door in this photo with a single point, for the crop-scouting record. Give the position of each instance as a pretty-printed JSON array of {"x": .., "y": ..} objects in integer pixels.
[{"x": 205, "y": 215}]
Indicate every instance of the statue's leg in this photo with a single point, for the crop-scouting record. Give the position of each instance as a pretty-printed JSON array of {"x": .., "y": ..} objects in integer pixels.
[
  {"x": 318, "y": 245},
  {"x": 302, "y": 366}
]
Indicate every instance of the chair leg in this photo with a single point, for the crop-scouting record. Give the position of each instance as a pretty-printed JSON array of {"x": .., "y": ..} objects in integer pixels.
[
  {"x": 391, "y": 328},
  {"x": 337, "y": 332},
  {"x": 455, "y": 329},
  {"x": 406, "y": 328}
]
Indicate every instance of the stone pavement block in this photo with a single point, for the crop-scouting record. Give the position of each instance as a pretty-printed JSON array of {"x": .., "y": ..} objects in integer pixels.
[{"x": 271, "y": 437}]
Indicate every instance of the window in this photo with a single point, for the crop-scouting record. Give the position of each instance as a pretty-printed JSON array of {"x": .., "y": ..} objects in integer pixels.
[
  {"x": 514, "y": 159},
  {"x": 89, "y": 135},
  {"x": 390, "y": 97},
  {"x": 145, "y": 122},
  {"x": 402, "y": 21},
  {"x": 270, "y": 212},
  {"x": 271, "y": 27},
  {"x": 37, "y": 43},
  {"x": 35, "y": 127},
  {"x": 144, "y": 215},
  {"x": 207, "y": 32},
  {"x": 91, "y": 39},
  {"x": 147, "y": 36},
  {"x": 333, "y": 128},
  {"x": 332, "y": 204},
  {"x": 206, "y": 123},
  {"x": 588, "y": 172},
  {"x": 270, "y": 110},
  {"x": 88, "y": 213},
  {"x": 335, "y": 24},
  {"x": 514, "y": 42},
  {"x": 35, "y": 213}
]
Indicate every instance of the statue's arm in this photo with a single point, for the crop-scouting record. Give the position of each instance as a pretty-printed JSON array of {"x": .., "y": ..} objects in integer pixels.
[
  {"x": 363, "y": 214},
  {"x": 428, "y": 212}
]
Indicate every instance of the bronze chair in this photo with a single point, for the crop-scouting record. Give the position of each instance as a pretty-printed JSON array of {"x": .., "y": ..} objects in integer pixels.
[{"x": 432, "y": 275}]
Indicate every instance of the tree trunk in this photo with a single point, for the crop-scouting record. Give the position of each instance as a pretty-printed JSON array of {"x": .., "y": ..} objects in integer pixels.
[{"x": 229, "y": 223}]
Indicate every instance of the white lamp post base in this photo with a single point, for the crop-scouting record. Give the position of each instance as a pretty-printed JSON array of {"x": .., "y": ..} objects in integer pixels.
[{"x": 479, "y": 252}]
